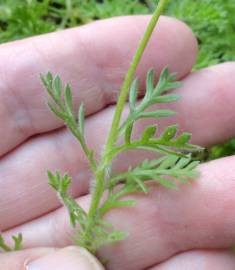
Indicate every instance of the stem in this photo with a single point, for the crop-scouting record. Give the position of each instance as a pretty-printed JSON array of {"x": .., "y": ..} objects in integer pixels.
[
  {"x": 130, "y": 75},
  {"x": 114, "y": 131},
  {"x": 84, "y": 146}
]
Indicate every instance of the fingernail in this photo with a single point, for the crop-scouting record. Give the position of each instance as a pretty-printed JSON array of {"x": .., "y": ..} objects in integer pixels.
[{"x": 72, "y": 258}]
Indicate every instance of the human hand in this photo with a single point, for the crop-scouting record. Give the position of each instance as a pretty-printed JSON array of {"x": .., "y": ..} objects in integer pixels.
[{"x": 191, "y": 222}]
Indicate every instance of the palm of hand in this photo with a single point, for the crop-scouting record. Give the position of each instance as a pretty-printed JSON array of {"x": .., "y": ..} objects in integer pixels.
[{"x": 190, "y": 222}]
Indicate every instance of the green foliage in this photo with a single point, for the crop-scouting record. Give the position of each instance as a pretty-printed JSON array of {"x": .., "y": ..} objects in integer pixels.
[
  {"x": 101, "y": 233},
  {"x": 213, "y": 23},
  {"x": 148, "y": 141},
  {"x": 62, "y": 107},
  {"x": 173, "y": 167},
  {"x": 21, "y": 19},
  {"x": 158, "y": 170},
  {"x": 24, "y": 18},
  {"x": 17, "y": 239},
  {"x": 218, "y": 151}
]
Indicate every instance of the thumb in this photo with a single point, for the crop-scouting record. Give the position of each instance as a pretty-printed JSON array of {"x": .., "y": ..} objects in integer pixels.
[{"x": 72, "y": 258}]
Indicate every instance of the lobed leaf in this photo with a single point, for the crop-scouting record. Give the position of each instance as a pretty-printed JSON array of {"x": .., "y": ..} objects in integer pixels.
[
  {"x": 169, "y": 133},
  {"x": 56, "y": 111},
  {"x": 165, "y": 99},
  {"x": 166, "y": 183},
  {"x": 68, "y": 100},
  {"x": 81, "y": 118},
  {"x": 157, "y": 114},
  {"x": 18, "y": 243},
  {"x": 133, "y": 94},
  {"x": 150, "y": 83},
  {"x": 57, "y": 87},
  {"x": 148, "y": 133}
]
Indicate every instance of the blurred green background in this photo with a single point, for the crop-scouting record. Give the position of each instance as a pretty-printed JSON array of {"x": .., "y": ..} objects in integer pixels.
[{"x": 213, "y": 22}]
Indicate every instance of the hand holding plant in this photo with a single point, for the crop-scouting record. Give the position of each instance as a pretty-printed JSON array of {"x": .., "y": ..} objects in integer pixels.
[{"x": 165, "y": 221}]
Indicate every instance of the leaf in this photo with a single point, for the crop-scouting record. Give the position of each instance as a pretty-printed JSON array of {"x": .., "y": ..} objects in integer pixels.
[
  {"x": 58, "y": 87},
  {"x": 3, "y": 245},
  {"x": 116, "y": 236},
  {"x": 44, "y": 81},
  {"x": 157, "y": 114},
  {"x": 150, "y": 83},
  {"x": 65, "y": 182},
  {"x": 58, "y": 182},
  {"x": 18, "y": 241},
  {"x": 182, "y": 162},
  {"x": 49, "y": 79},
  {"x": 53, "y": 181},
  {"x": 165, "y": 170},
  {"x": 168, "y": 162},
  {"x": 58, "y": 113},
  {"x": 166, "y": 98},
  {"x": 133, "y": 94},
  {"x": 150, "y": 164},
  {"x": 61, "y": 185},
  {"x": 193, "y": 165},
  {"x": 183, "y": 138},
  {"x": 164, "y": 75},
  {"x": 166, "y": 82},
  {"x": 103, "y": 238},
  {"x": 81, "y": 117},
  {"x": 157, "y": 148},
  {"x": 68, "y": 100},
  {"x": 124, "y": 203},
  {"x": 163, "y": 78},
  {"x": 169, "y": 132},
  {"x": 140, "y": 184},
  {"x": 166, "y": 183},
  {"x": 148, "y": 133}
]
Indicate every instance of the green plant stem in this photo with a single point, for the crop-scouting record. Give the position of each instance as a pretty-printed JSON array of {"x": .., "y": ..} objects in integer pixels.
[
  {"x": 113, "y": 134},
  {"x": 84, "y": 146},
  {"x": 130, "y": 76}
]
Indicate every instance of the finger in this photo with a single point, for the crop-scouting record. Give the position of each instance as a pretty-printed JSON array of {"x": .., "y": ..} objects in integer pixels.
[
  {"x": 30, "y": 195},
  {"x": 93, "y": 58},
  {"x": 203, "y": 260},
  {"x": 165, "y": 222},
  {"x": 19, "y": 260},
  {"x": 207, "y": 105},
  {"x": 206, "y": 110},
  {"x": 72, "y": 258}
]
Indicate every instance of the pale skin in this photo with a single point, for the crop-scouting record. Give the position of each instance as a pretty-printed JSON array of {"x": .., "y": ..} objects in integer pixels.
[{"x": 191, "y": 228}]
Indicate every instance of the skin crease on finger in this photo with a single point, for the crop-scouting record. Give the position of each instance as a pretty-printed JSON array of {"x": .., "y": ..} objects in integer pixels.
[
  {"x": 200, "y": 215},
  {"x": 59, "y": 149},
  {"x": 84, "y": 61}
]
